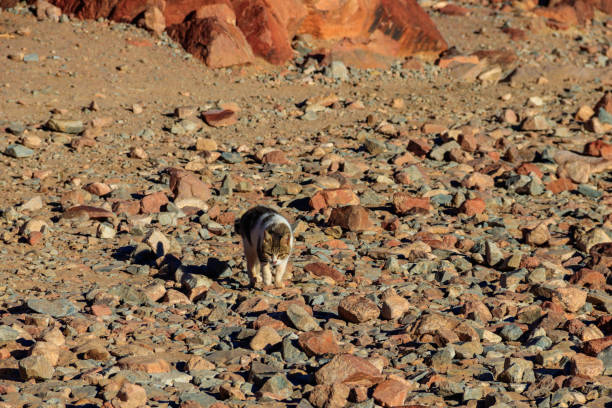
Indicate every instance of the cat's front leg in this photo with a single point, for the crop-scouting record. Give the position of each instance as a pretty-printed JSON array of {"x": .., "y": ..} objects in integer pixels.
[
  {"x": 253, "y": 269},
  {"x": 266, "y": 270},
  {"x": 280, "y": 273}
]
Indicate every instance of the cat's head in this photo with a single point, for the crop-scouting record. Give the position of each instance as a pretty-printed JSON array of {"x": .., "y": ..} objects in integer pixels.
[{"x": 276, "y": 244}]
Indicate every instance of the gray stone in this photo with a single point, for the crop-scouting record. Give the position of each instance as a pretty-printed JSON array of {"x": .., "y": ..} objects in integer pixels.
[
  {"x": 54, "y": 308},
  {"x": 18, "y": 151},
  {"x": 8, "y": 334},
  {"x": 493, "y": 254},
  {"x": 338, "y": 70},
  {"x": 511, "y": 332},
  {"x": 65, "y": 126},
  {"x": 279, "y": 385},
  {"x": 300, "y": 318},
  {"x": 606, "y": 357}
]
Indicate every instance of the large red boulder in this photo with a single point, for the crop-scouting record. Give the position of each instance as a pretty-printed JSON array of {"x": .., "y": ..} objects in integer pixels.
[{"x": 216, "y": 42}]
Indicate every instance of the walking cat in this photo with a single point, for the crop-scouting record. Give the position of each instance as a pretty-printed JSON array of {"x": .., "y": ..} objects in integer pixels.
[{"x": 267, "y": 239}]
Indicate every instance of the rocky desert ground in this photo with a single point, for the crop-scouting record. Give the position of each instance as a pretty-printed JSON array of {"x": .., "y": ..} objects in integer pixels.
[{"x": 452, "y": 218}]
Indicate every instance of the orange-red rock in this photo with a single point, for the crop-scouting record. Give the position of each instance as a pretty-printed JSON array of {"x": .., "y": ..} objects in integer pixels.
[
  {"x": 218, "y": 44},
  {"x": 333, "y": 197},
  {"x": 319, "y": 342},
  {"x": 473, "y": 207},
  {"x": 153, "y": 203},
  {"x": 390, "y": 393},
  {"x": 405, "y": 203},
  {"x": 598, "y": 148},
  {"x": 323, "y": 269},
  {"x": 348, "y": 369},
  {"x": 351, "y": 218},
  {"x": 560, "y": 185}
]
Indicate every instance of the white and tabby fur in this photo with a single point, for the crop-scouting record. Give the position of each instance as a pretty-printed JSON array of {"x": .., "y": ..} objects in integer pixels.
[{"x": 264, "y": 272}]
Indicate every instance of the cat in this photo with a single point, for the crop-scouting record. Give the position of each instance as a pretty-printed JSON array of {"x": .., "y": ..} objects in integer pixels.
[{"x": 267, "y": 239}]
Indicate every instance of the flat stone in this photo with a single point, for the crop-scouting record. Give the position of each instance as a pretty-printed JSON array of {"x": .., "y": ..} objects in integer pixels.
[{"x": 55, "y": 308}]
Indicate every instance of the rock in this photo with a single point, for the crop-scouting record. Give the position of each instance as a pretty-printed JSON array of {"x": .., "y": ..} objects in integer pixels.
[
  {"x": 88, "y": 212},
  {"x": 404, "y": 203},
  {"x": 153, "y": 203},
  {"x": 65, "y": 126},
  {"x": 55, "y": 308},
  {"x": 390, "y": 393},
  {"x": 351, "y": 218},
  {"x": 158, "y": 242},
  {"x": 266, "y": 336},
  {"x": 598, "y": 148},
  {"x": 560, "y": 185},
  {"x": 394, "y": 307},
  {"x": 131, "y": 396},
  {"x": 205, "y": 144},
  {"x": 606, "y": 358},
  {"x": 347, "y": 369},
  {"x": 333, "y": 198},
  {"x": 316, "y": 343},
  {"x": 220, "y": 118},
  {"x": 328, "y": 396},
  {"x": 154, "y": 20},
  {"x": 473, "y": 207},
  {"x": 572, "y": 299},
  {"x": 321, "y": 269},
  {"x": 275, "y": 157},
  {"x": 493, "y": 254},
  {"x": 186, "y": 186},
  {"x": 586, "y": 366},
  {"x": 99, "y": 189},
  {"x": 278, "y": 386},
  {"x": 357, "y": 309},
  {"x": 8, "y": 334},
  {"x": 479, "y": 181},
  {"x": 18, "y": 151},
  {"x": 300, "y": 319},
  {"x": 217, "y": 43},
  {"x": 35, "y": 367},
  {"x": 47, "y": 349},
  {"x": 585, "y": 240},
  {"x": 538, "y": 235},
  {"x": 148, "y": 364},
  {"x": 33, "y": 204}
]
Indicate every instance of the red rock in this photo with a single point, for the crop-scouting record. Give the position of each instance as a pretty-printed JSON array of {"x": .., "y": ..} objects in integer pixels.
[
  {"x": 357, "y": 309},
  {"x": 101, "y": 310},
  {"x": 588, "y": 278},
  {"x": 148, "y": 364},
  {"x": 186, "y": 185},
  {"x": 515, "y": 34},
  {"x": 596, "y": 346},
  {"x": 568, "y": 13},
  {"x": 526, "y": 168},
  {"x": 87, "y": 211},
  {"x": 8, "y": 3},
  {"x": 598, "y": 148},
  {"x": 583, "y": 365},
  {"x": 218, "y": 44},
  {"x": 419, "y": 147},
  {"x": 572, "y": 299},
  {"x": 35, "y": 237},
  {"x": 219, "y": 118},
  {"x": 127, "y": 207},
  {"x": 253, "y": 305},
  {"x": 351, "y": 218},
  {"x": 404, "y": 203},
  {"x": 275, "y": 157},
  {"x": 447, "y": 61},
  {"x": 348, "y": 369},
  {"x": 394, "y": 307},
  {"x": 454, "y": 10},
  {"x": 222, "y": 10},
  {"x": 99, "y": 189},
  {"x": 401, "y": 28},
  {"x": 333, "y": 197},
  {"x": 263, "y": 30},
  {"x": 154, "y": 20},
  {"x": 468, "y": 142},
  {"x": 323, "y": 269},
  {"x": 560, "y": 185},
  {"x": 390, "y": 393},
  {"x": 320, "y": 342},
  {"x": 177, "y": 11},
  {"x": 153, "y": 203},
  {"x": 329, "y": 396},
  {"x": 473, "y": 207}
]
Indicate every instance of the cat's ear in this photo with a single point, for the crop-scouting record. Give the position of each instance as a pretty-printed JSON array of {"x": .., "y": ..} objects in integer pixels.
[{"x": 285, "y": 240}]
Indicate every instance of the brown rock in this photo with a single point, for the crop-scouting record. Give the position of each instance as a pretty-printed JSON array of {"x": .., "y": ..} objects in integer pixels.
[
  {"x": 357, "y": 309},
  {"x": 394, "y": 307},
  {"x": 479, "y": 181},
  {"x": 473, "y": 207},
  {"x": 598, "y": 148},
  {"x": 405, "y": 203},
  {"x": 266, "y": 336},
  {"x": 333, "y": 197},
  {"x": 588, "y": 278},
  {"x": 572, "y": 299},
  {"x": 218, "y": 44},
  {"x": 154, "y": 20},
  {"x": 99, "y": 189},
  {"x": 186, "y": 185},
  {"x": 86, "y": 211},
  {"x": 583, "y": 365},
  {"x": 390, "y": 393},
  {"x": 528, "y": 168},
  {"x": 275, "y": 157},
  {"x": 322, "y": 269},
  {"x": 419, "y": 147},
  {"x": 319, "y": 342},
  {"x": 154, "y": 291},
  {"x": 153, "y": 203},
  {"x": 219, "y": 118},
  {"x": 329, "y": 396},
  {"x": 126, "y": 207},
  {"x": 560, "y": 185},
  {"x": 266, "y": 23},
  {"x": 596, "y": 346},
  {"x": 348, "y": 369},
  {"x": 538, "y": 235},
  {"x": 131, "y": 396},
  {"x": 605, "y": 102},
  {"x": 174, "y": 297},
  {"x": 148, "y": 364},
  {"x": 351, "y": 218}
]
